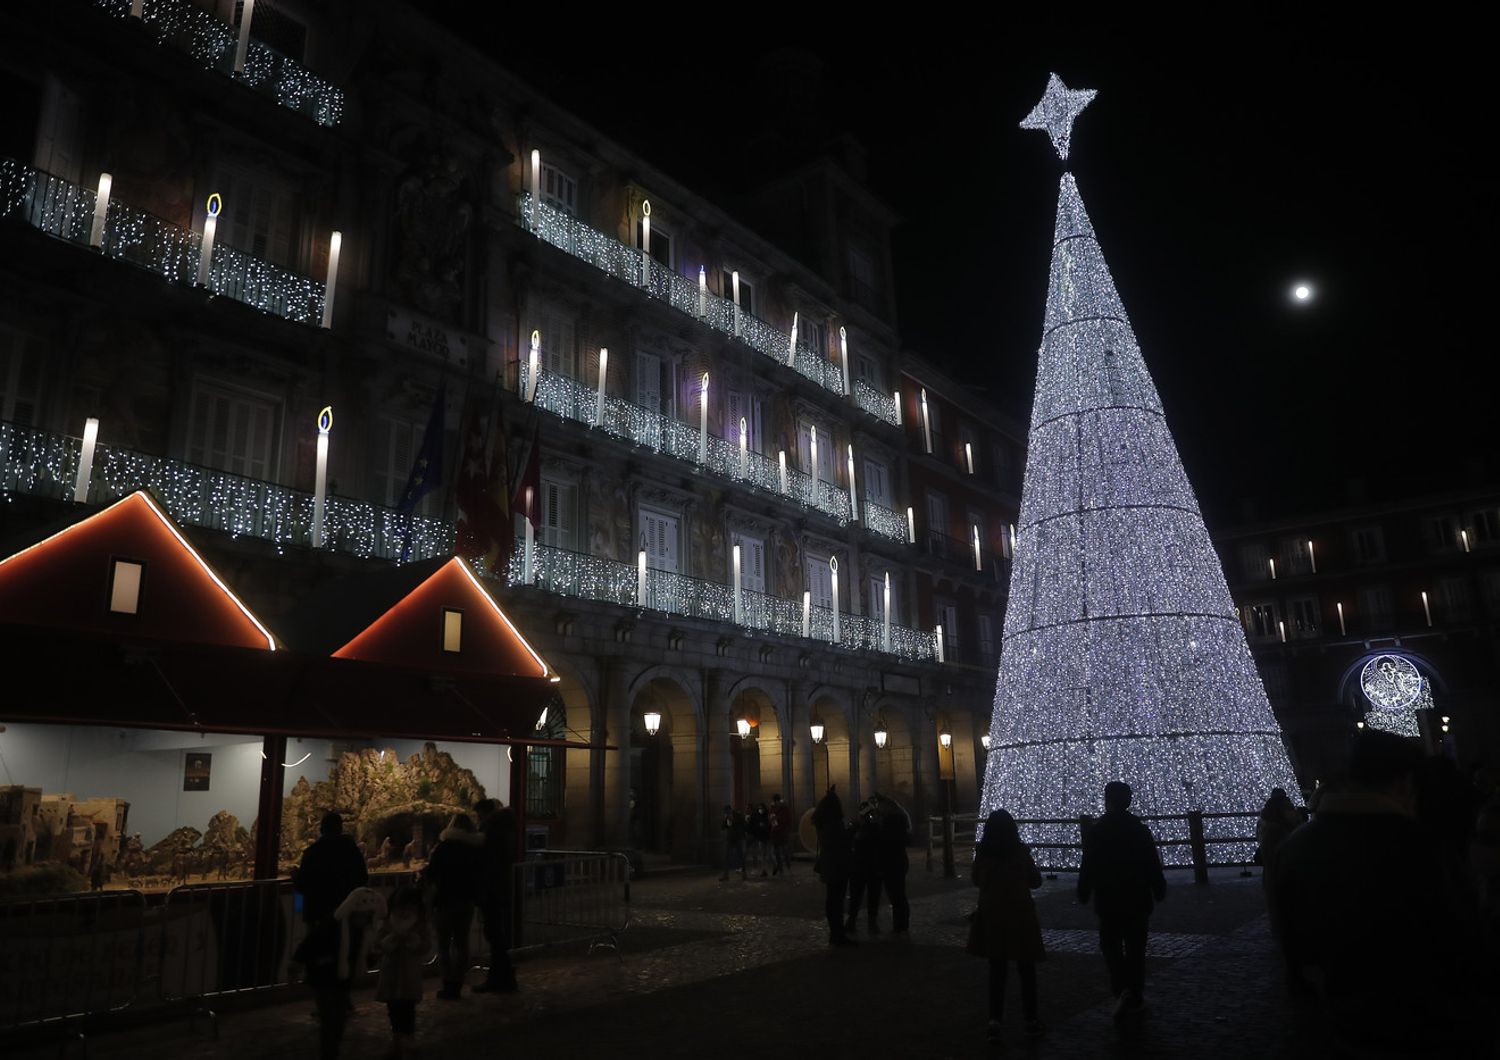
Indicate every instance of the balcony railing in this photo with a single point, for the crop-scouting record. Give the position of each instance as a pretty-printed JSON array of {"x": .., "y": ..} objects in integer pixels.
[
  {"x": 881, "y": 520},
  {"x": 590, "y": 577},
  {"x": 189, "y": 28},
  {"x": 65, "y": 210},
  {"x": 573, "y": 400},
  {"x": 39, "y": 462},
  {"x": 881, "y": 406},
  {"x": 629, "y": 265}
]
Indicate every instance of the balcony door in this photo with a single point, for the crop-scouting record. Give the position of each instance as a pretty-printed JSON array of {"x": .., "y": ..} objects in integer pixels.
[{"x": 233, "y": 431}]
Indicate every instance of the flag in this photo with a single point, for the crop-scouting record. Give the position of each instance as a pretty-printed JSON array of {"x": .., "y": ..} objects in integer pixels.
[
  {"x": 530, "y": 477},
  {"x": 503, "y": 535},
  {"x": 427, "y": 472},
  {"x": 472, "y": 539}
]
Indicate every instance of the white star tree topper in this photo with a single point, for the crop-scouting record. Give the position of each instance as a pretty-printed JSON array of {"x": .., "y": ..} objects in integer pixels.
[{"x": 1055, "y": 113}]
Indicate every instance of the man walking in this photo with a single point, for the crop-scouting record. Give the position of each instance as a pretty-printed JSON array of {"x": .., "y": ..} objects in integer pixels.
[
  {"x": 781, "y": 835},
  {"x": 497, "y": 824},
  {"x": 1121, "y": 871}
]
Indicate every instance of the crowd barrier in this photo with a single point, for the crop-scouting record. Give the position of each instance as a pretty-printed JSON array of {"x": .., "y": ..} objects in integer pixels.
[{"x": 73, "y": 957}]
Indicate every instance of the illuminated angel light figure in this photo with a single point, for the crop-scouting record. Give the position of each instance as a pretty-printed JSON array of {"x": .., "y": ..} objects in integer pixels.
[{"x": 1123, "y": 657}]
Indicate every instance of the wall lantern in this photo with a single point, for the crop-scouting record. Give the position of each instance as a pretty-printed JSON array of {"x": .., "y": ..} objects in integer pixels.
[
  {"x": 742, "y": 726},
  {"x": 946, "y": 739},
  {"x": 816, "y": 728},
  {"x": 881, "y": 736},
  {"x": 984, "y": 741},
  {"x": 653, "y": 723}
]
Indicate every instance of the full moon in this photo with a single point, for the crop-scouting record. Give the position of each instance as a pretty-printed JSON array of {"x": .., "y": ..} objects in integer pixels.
[{"x": 1302, "y": 292}]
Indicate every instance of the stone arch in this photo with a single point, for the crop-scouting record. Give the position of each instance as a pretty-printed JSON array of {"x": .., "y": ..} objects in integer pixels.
[
  {"x": 892, "y": 770},
  {"x": 759, "y": 760},
  {"x": 831, "y": 757},
  {"x": 1436, "y": 701},
  {"x": 576, "y": 822},
  {"x": 664, "y": 768}
]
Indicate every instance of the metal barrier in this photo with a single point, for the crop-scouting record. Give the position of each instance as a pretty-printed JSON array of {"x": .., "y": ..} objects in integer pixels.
[
  {"x": 965, "y": 826},
  {"x": 572, "y": 896}
]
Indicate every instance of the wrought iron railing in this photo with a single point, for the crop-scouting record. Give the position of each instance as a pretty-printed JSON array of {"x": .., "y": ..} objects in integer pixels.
[
  {"x": 881, "y": 406},
  {"x": 881, "y": 520},
  {"x": 65, "y": 210},
  {"x": 40, "y": 462},
  {"x": 629, "y": 265},
  {"x": 190, "y": 28},
  {"x": 575, "y": 400},
  {"x": 590, "y": 577}
]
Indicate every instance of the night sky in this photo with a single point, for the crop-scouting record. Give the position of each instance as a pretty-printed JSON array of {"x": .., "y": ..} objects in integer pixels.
[{"x": 1215, "y": 176}]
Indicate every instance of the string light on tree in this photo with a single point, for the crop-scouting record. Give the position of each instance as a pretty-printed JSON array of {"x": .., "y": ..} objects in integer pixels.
[{"x": 1123, "y": 657}]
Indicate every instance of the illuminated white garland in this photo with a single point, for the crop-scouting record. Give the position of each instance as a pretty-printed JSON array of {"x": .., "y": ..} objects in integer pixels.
[
  {"x": 881, "y": 406},
  {"x": 1396, "y": 691},
  {"x": 1123, "y": 657}
]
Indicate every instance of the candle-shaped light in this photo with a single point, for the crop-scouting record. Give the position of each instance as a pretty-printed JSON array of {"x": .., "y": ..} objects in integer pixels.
[
  {"x": 937, "y": 643},
  {"x": 969, "y": 456},
  {"x": 833, "y": 578},
  {"x": 603, "y": 376},
  {"x": 86, "y": 460},
  {"x": 791, "y": 347},
  {"x": 807, "y": 612},
  {"x": 206, "y": 244},
  {"x": 911, "y": 526},
  {"x": 640, "y": 576},
  {"x": 739, "y": 604},
  {"x": 926, "y": 420},
  {"x": 1012, "y": 540},
  {"x": 136, "y": 8},
  {"x": 645, "y": 242},
  {"x": 896, "y": 399},
  {"x": 812, "y": 435},
  {"x": 1312, "y": 557},
  {"x": 744, "y": 447},
  {"x": 536, "y": 190},
  {"x": 781, "y": 466},
  {"x": 1342, "y": 631},
  {"x": 844, "y": 356},
  {"x": 528, "y": 556},
  {"x": 320, "y": 475},
  {"x": 703, "y": 422},
  {"x": 702, "y": 291},
  {"x": 1463, "y": 535},
  {"x": 978, "y": 561},
  {"x": 243, "y": 46},
  {"x": 734, "y": 283},
  {"x": 1427, "y": 608},
  {"x": 330, "y": 285},
  {"x": 101, "y": 210},
  {"x": 1281, "y": 628},
  {"x": 853, "y": 499},
  {"x": 886, "y": 632},
  {"x": 534, "y": 365},
  {"x": 1271, "y": 563}
]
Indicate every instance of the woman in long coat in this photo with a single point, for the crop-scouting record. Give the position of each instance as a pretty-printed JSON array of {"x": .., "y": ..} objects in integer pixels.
[{"x": 1005, "y": 927}]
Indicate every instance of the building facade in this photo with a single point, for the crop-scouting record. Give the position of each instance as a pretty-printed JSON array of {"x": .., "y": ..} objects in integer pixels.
[
  {"x": 1324, "y": 596},
  {"x": 728, "y": 500}
]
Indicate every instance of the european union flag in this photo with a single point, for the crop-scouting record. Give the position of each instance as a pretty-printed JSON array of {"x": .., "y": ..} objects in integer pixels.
[{"x": 427, "y": 473}]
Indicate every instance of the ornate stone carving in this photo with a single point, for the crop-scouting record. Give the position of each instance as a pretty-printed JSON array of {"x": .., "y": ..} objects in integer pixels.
[{"x": 433, "y": 216}]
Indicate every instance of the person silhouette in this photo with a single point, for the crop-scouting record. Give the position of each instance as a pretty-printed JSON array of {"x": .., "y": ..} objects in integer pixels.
[{"x": 1121, "y": 872}]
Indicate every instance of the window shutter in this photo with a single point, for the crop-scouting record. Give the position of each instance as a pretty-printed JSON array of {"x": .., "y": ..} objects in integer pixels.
[{"x": 648, "y": 381}]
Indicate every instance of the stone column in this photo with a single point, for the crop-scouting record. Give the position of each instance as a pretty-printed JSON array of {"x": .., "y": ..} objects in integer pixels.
[
  {"x": 614, "y": 709},
  {"x": 718, "y": 763}
]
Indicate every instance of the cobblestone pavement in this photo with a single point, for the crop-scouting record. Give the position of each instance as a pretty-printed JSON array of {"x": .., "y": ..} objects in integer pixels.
[{"x": 743, "y": 969}]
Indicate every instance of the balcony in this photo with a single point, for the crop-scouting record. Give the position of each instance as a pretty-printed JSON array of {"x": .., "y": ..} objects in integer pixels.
[
  {"x": 189, "y": 28},
  {"x": 628, "y": 265},
  {"x": 573, "y": 400},
  {"x": 44, "y": 464},
  {"x": 881, "y": 406},
  {"x": 589, "y": 577},
  {"x": 66, "y": 211},
  {"x": 881, "y": 520}
]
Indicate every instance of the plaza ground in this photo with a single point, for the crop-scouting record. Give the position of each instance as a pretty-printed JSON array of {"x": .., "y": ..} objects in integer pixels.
[{"x": 743, "y": 968}]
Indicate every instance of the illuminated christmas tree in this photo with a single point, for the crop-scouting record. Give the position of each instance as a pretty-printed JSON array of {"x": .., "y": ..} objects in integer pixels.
[{"x": 1123, "y": 655}]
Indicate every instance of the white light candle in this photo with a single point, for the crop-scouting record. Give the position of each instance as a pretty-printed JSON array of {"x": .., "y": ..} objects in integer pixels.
[
  {"x": 603, "y": 375},
  {"x": 101, "y": 210},
  {"x": 937, "y": 641},
  {"x": 887, "y": 630},
  {"x": 896, "y": 397},
  {"x": 1281, "y": 628},
  {"x": 739, "y": 605},
  {"x": 1272, "y": 564},
  {"x": 978, "y": 562},
  {"x": 791, "y": 347},
  {"x": 1463, "y": 535},
  {"x": 1426, "y": 608},
  {"x": 330, "y": 285},
  {"x": 246, "y": 13},
  {"x": 645, "y": 242},
  {"x": 1012, "y": 540},
  {"x": 969, "y": 456},
  {"x": 1342, "y": 631},
  {"x": 807, "y": 612},
  {"x": 702, "y": 291},
  {"x": 640, "y": 578},
  {"x": 320, "y": 475},
  {"x": 734, "y": 283},
  {"x": 813, "y": 435},
  {"x": 534, "y": 366},
  {"x": 206, "y": 244},
  {"x": 86, "y": 460},
  {"x": 844, "y": 356},
  {"x": 781, "y": 462},
  {"x": 926, "y": 421},
  {"x": 136, "y": 7},
  {"x": 1312, "y": 557},
  {"x": 744, "y": 446},
  {"x": 528, "y": 559},
  {"x": 853, "y": 499},
  {"x": 833, "y": 578},
  {"x": 911, "y": 526},
  {"x": 536, "y": 191},
  {"x": 703, "y": 422}
]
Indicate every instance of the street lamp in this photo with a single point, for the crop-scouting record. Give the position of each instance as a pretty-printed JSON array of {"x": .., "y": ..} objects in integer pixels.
[
  {"x": 816, "y": 728},
  {"x": 1359, "y": 725},
  {"x": 984, "y": 741},
  {"x": 653, "y": 723},
  {"x": 946, "y": 739},
  {"x": 881, "y": 736},
  {"x": 742, "y": 726},
  {"x": 1445, "y": 723}
]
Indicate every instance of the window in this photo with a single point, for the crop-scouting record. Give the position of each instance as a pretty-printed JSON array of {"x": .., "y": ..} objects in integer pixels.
[
  {"x": 1491, "y": 584},
  {"x": 1254, "y": 562},
  {"x": 258, "y": 211},
  {"x": 659, "y": 536},
  {"x": 1453, "y": 599},
  {"x": 1305, "y": 616},
  {"x": 20, "y": 376},
  {"x": 125, "y": 578},
  {"x": 648, "y": 387},
  {"x": 558, "y": 337},
  {"x": 877, "y": 484},
  {"x": 397, "y": 443},
  {"x": 1294, "y": 558},
  {"x": 1369, "y": 544},
  {"x": 814, "y": 335},
  {"x": 863, "y": 287},
  {"x": 662, "y": 244},
  {"x": 1484, "y": 527},
  {"x": 752, "y": 562},
  {"x": 947, "y": 615},
  {"x": 544, "y": 782},
  {"x": 559, "y": 508},
  {"x": 938, "y": 526},
  {"x": 819, "y": 580},
  {"x": 875, "y": 586},
  {"x": 986, "y": 635},
  {"x": 453, "y": 630},
  {"x": 747, "y": 290},
  {"x": 1260, "y": 621},
  {"x": 826, "y": 446},
  {"x": 1375, "y": 606},
  {"x": 234, "y": 432},
  {"x": 1442, "y": 533},
  {"x": 739, "y": 405},
  {"x": 559, "y": 189},
  {"x": 868, "y": 369}
]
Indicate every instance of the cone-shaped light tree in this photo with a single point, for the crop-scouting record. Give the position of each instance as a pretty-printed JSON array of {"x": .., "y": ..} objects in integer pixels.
[{"x": 1123, "y": 656}]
